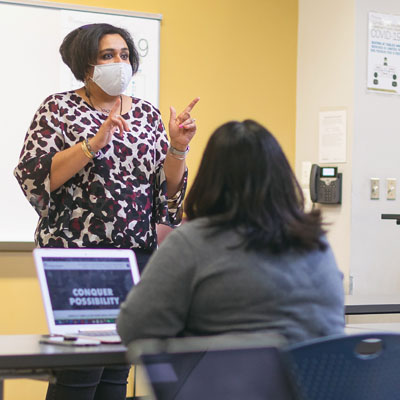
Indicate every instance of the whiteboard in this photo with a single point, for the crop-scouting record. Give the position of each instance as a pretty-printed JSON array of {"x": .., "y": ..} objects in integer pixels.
[{"x": 32, "y": 69}]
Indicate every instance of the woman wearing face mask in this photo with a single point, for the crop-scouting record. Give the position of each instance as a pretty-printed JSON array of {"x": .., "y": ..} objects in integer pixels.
[{"x": 99, "y": 170}]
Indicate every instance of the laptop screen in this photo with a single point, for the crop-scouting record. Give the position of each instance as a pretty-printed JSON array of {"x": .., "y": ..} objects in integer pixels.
[
  {"x": 87, "y": 290},
  {"x": 82, "y": 289}
]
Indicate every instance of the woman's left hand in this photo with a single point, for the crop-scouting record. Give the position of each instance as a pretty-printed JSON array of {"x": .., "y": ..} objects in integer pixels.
[{"x": 182, "y": 127}]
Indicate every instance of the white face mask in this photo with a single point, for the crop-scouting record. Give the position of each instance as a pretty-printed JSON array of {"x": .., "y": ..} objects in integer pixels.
[{"x": 113, "y": 78}]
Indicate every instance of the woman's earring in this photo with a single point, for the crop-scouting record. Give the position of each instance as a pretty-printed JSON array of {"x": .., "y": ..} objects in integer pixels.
[{"x": 87, "y": 92}]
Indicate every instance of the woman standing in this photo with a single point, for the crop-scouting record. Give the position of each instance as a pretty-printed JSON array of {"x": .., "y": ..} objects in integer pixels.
[{"x": 98, "y": 168}]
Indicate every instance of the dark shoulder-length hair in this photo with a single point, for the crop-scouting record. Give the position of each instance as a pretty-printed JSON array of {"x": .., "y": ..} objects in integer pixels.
[
  {"x": 245, "y": 183},
  {"x": 80, "y": 47}
]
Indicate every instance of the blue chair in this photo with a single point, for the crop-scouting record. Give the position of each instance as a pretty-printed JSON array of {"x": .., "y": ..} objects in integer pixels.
[
  {"x": 347, "y": 367},
  {"x": 214, "y": 368}
]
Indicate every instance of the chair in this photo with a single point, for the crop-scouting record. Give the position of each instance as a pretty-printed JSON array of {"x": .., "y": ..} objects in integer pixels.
[
  {"x": 162, "y": 232},
  {"x": 227, "y": 367},
  {"x": 347, "y": 367}
]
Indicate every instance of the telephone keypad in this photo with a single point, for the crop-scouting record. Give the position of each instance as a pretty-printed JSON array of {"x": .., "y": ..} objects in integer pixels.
[{"x": 328, "y": 193}]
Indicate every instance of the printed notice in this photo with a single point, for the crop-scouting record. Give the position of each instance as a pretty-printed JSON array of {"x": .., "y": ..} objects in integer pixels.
[
  {"x": 383, "y": 53},
  {"x": 332, "y": 136}
]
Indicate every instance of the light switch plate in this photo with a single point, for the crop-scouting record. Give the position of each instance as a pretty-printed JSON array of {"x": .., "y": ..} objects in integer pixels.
[
  {"x": 374, "y": 194},
  {"x": 391, "y": 188}
]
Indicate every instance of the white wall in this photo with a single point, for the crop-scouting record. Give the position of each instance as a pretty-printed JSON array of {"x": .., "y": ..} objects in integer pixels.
[
  {"x": 375, "y": 251},
  {"x": 325, "y": 81},
  {"x": 332, "y": 68}
]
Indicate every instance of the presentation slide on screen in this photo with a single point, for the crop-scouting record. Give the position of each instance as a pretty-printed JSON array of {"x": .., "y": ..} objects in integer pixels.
[{"x": 87, "y": 292}]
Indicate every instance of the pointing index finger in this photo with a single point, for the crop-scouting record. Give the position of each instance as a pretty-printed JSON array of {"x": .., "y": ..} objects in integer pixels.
[
  {"x": 115, "y": 107},
  {"x": 192, "y": 104}
]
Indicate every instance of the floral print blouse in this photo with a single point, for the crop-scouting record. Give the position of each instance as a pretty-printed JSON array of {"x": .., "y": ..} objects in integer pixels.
[{"x": 118, "y": 197}]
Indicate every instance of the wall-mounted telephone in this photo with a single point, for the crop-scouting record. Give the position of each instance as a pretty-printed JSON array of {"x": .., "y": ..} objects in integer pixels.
[{"x": 325, "y": 185}]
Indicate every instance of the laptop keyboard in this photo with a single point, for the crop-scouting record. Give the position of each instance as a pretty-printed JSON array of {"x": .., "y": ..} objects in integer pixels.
[
  {"x": 104, "y": 336},
  {"x": 99, "y": 333}
]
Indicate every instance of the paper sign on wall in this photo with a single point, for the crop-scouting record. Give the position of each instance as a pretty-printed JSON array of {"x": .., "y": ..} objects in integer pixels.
[
  {"x": 383, "y": 53},
  {"x": 332, "y": 136}
]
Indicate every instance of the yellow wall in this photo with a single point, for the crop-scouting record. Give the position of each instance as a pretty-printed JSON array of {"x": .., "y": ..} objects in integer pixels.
[{"x": 239, "y": 57}]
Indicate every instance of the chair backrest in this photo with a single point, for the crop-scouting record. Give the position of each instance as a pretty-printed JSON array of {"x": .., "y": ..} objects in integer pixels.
[
  {"x": 347, "y": 367},
  {"x": 225, "y": 369},
  {"x": 162, "y": 232}
]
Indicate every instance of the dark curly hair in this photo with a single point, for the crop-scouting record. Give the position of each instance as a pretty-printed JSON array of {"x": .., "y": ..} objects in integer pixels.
[
  {"x": 80, "y": 47},
  {"x": 245, "y": 183}
]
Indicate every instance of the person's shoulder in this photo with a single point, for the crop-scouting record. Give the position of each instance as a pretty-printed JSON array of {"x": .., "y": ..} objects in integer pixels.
[
  {"x": 317, "y": 256},
  {"x": 190, "y": 236},
  {"x": 325, "y": 258},
  {"x": 327, "y": 246},
  {"x": 196, "y": 228},
  {"x": 60, "y": 96},
  {"x": 144, "y": 105},
  {"x": 60, "y": 101},
  {"x": 194, "y": 224}
]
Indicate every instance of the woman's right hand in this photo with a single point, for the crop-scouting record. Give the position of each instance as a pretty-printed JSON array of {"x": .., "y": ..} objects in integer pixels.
[
  {"x": 113, "y": 122},
  {"x": 66, "y": 163}
]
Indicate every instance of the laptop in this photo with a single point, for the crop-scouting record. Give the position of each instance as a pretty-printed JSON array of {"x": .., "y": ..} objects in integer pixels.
[
  {"x": 82, "y": 290},
  {"x": 195, "y": 369}
]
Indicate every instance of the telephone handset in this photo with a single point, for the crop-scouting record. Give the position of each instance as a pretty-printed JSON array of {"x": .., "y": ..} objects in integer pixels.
[{"x": 325, "y": 185}]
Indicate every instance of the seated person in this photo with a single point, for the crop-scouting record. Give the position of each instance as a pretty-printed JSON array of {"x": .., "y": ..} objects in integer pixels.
[{"x": 248, "y": 259}]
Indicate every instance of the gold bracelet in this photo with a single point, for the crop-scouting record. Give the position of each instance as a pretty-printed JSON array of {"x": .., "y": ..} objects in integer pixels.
[
  {"x": 85, "y": 150},
  {"x": 89, "y": 147}
]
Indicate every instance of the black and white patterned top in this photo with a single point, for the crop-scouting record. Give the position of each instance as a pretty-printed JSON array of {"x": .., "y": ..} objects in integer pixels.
[{"x": 118, "y": 197}]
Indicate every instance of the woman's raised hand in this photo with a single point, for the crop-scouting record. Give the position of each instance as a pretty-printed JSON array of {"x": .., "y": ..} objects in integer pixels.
[
  {"x": 182, "y": 128},
  {"x": 113, "y": 123}
]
